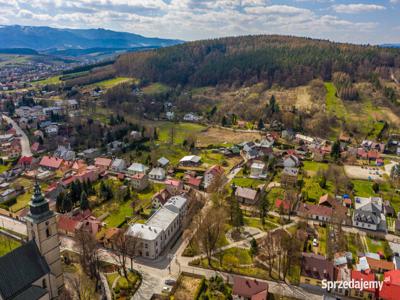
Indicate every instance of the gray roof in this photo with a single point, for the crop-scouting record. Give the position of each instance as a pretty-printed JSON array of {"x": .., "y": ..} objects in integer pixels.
[
  {"x": 33, "y": 293},
  {"x": 175, "y": 203},
  {"x": 163, "y": 161},
  {"x": 20, "y": 268}
]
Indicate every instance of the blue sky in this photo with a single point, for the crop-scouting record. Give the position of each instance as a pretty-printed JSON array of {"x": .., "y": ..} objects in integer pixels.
[{"x": 363, "y": 21}]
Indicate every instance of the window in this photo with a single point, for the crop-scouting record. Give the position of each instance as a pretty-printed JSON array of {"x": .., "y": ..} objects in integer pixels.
[
  {"x": 44, "y": 283},
  {"x": 47, "y": 232}
]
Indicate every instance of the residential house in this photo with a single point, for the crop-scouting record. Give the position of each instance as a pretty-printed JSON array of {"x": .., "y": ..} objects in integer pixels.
[
  {"x": 160, "y": 198},
  {"x": 258, "y": 170},
  {"x": 190, "y": 161},
  {"x": 391, "y": 286},
  {"x": 291, "y": 161},
  {"x": 360, "y": 277},
  {"x": 249, "y": 289},
  {"x": 315, "y": 268},
  {"x": 110, "y": 238},
  {"x": 379, "y": 265},
  {"x": 174, "y": 186},
  {"x": 247, "y": 196},
  {"x": 368, "y": 214},
  {"x": 65, "y": 153},
  {"x": 51, "y": 163},
  {"x": 213, "y": 174},
  {"x": 118, "y": 165},
  {"x": 162, "y": 162},
  {"x": 289, "y": 177},
  {"x": 135, "y": 135},
  {"x": 139, "y": 181},
  {"x": 315, "y": 212},
  {"x": 137, "y": 168},
  {"x": 102, "y": 163},
  {"x": 157, "y": 174}
]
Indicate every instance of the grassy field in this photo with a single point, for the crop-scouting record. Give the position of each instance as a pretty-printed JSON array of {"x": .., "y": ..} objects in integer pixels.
[
  {"x": 50, "y": 80},
  {"x": 7, "y": 244},
  {"x": 4, "y": 168},
  {"x": 314, "y": 167},
  {"x": 109, "y": 83},
  {"x": 247, "y": 182},
  {"x": 314, "y": 190},
  {"x": 180, "y": 131},
  {"x": 225, "y": 137},
  {"x": 187, "y": 287},
  {"x": 156, "y": 88},
  {"x": 256, "y": 223},
  {"x": 334, "y": 105}
]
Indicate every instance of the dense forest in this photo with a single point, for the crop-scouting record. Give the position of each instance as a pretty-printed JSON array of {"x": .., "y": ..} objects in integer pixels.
[{"x": 287, "y": 61}]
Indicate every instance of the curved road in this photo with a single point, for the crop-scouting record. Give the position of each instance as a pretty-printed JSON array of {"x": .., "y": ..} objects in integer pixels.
[{"x": 25, "y": 146}]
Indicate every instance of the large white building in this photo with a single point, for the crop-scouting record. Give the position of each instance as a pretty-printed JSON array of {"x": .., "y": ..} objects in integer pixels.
[
  {"x": 368, "y": 214},
  {"x": 162, "y": 227}
]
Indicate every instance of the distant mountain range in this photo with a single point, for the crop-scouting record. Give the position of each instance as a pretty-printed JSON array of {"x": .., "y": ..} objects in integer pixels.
[
  {"x": 48, "y": 39},
  {"x": 391, "y": 45}
]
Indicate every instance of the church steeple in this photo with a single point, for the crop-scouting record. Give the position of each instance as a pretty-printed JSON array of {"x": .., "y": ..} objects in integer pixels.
[{"x": 39, "y": 206}]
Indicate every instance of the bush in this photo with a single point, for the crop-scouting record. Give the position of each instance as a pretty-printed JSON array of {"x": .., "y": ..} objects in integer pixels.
[{"x": 200, "y": 289}]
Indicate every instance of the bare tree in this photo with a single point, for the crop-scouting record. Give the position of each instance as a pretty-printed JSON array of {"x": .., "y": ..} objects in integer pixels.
[
  {"x": 210, "y": 231},
  {"x": 126, "y": 246},
  {"x": 82, "y": 287}
]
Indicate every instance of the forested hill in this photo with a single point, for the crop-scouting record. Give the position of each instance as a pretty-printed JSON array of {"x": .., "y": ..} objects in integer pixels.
[{"x": 283, "y": 60}]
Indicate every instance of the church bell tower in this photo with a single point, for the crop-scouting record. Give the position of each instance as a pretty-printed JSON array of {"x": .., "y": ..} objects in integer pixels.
[{"x": 42, "y": 228}]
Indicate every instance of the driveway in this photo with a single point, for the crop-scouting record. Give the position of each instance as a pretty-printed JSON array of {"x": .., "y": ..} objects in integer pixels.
[{"x": 25, "y": 145}]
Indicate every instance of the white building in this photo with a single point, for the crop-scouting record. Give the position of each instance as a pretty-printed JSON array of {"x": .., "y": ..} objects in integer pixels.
[
  {"x": 118, "y": 165},
  {"x": 162, "y": 227},
  {"x": 368, "y": 214},
  {"x": 157, "y": 174},
  {"x": 257, "y": 170}
]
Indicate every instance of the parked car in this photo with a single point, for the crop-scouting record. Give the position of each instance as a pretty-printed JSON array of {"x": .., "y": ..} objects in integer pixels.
[{"x": 171, "y": 282}]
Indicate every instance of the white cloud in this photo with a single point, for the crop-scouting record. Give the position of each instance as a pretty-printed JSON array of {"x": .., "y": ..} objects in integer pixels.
[{"x": 357, "y": 8}]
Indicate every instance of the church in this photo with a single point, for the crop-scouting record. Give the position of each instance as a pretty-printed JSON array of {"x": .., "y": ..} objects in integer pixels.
[{"x": 33, "y": 271}]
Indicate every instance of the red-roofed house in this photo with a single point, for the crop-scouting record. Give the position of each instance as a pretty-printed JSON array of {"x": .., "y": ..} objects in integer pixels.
[
  {"x": 160, "y": 198},
  {"x": 78, "y": 220},
  {"x": 193, "y": 182},
  {"x": 25, "y": 161},
  {"x": 391, "y": 286},
  {"x": 211, "y": 175},
  {"x": 51, "y": 163},
  {"x": 140, "y": 181},
  {"x": 174, "y": 186},
  {"x": 249, "y": 289},
  {"x": 102, "y": 163},
  {"x": 285, "y": 204},
  {"x": 360, "y": 277}
]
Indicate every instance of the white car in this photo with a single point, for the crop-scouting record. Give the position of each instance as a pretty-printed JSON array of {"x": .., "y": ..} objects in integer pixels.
[
  {"x": 166, "y": 289},
  {"x": 315, "y": 243}
]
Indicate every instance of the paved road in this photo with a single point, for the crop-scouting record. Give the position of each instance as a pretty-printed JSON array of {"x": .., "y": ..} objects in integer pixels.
[{"x": 26, "y": 147}]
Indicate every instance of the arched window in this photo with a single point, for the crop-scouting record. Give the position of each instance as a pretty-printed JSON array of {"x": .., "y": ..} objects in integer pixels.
[{"x": 47, "y": 232}]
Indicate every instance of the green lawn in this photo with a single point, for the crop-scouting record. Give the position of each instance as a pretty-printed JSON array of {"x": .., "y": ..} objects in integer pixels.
[
  {"x": 22, "y": 202},
  {"x": 322, "y": 235},
  {"x": 314, "y": 190},
  {"x": 256, "y": 222},
  {"x": 314, "y": 166},
  {"x": 156, "y": 88},
  {"x": 180, "y": 131},
  {"x": 376, "y": 246},
  {"x": 4, "y": 168},
  {"x": 247, "y": 182},
  {"x": 363, "y": 188},
  {"x": 7, "y": 244}
]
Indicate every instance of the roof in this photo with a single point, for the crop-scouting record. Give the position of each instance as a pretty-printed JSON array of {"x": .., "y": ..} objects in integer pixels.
[
  {"x": 246, "y": 193},
  {"x": 359, "y": 276},
  {"x": 175, "y": 203},
  {"x": 316, "y": 266},
  {"x": 65, "y": 223},
  {"x": 157, "y": 172},
  {"x": 215, "y": 170},
  {"x": 291, "y": 171},
  {"x": 102, "y": 161},
  {"x": 144, "y": 231},
  {"x": 118, "y": 163},
  {"x": 250, "y": 288},
  {"x": 173, "y": 182},
  {"x": 20, "y": 268},
  {"x": 32, "y": 293},
  {"x": 162, "y": 218},
  {"x": 391, "y": 286},
  {"x": 191, "y": 158},
  {"x": 163, "y": 161},
  {"x": 137, "y": 167},
  {"x": 51, "y": 162},
  {"x": 380, "y": 264},
  {"x": 284, "y": 203},
  {"x": 193, "y": 181},
  {"x": 317, "y": 210}
]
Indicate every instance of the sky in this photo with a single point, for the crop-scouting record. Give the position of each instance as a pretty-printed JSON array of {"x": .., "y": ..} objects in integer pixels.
[{"x": 362, "y": 21}]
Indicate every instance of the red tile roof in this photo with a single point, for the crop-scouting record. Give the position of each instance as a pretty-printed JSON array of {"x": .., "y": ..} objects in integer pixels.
[
  {"x": 173, "y": 182},
  {"x": 102, "y": 161},
  {"x": 284, "y": 203},
  {"x": 377, "y": 264},
  {"x": 318, "y": 210},
  {"x": 358, "y": 276},
  {"x": 193, "y": 181},
  {"x": 65, "y": 223},
  {"x": 51, "y": 162},
  {"x": 25, "y": 160}
]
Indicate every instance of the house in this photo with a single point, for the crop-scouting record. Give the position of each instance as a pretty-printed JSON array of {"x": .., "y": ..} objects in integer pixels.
[
  {"x": 25, "y": 161},
  {"x": 190, "y": 161},
  {"x": 51, "y": 163},
  {"x": 102, "y": 163},
  {"x": 174, "y": 186},
  {"x": 162, "y": 228},
  {"x": 90, "y": 153},
  {"x": 110, "y": 237},
  {"x": 359, "y": 277},
  {"x": 314, "y": 269},
  {"x": 194, "y": 182},
  {"x": 315, "y": 212},
  {"x": 247, "y": 196},
  {"x": 391, "y": 286},
  {"x": 291, "y": 161},
  {"x": 137, "y": 168},
  {"x": 160, "y": 198},
  {"x": 289, "y": 177},
  {"x": 162, "y": 162},
  {"x": 37, "y": 148},
  {"x": 379, "y": 265},
  {"x": 139, "y": 181},
  {"x": 157, "y": 174},
  {"x": 51, "y": 130},
  {"x": 7, "y": 194},
  {"x": 368, "y": 214},
  {"x": 135, "y": 135},
  {"x": 212, "y": 175},
  {"x": 64, "y": 153},
  {"x": 191, "y": 117},
  {"x": 118, "y": 165},
  {"x": 257, "y": 170},
  {"x": 283, "y": 204},
  {"x": 249, "y": 289}
]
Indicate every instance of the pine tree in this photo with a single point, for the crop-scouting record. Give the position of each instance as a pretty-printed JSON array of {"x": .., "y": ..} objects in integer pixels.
[{"x": 84, "y": 202}]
